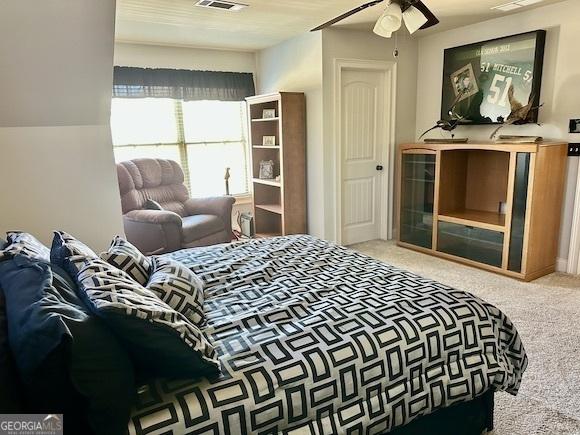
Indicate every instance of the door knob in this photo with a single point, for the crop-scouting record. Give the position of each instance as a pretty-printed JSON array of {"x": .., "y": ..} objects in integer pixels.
[{"x": 380, "y": 167}]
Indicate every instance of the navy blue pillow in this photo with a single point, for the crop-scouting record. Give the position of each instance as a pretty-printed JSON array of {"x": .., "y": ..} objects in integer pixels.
[
  {"x": 63, "y": 353},
  {"x": 64, "y": 246},
  {"x": 2, "y": 243}
]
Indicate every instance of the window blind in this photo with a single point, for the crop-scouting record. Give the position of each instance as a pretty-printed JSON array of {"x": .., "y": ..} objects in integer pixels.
[{"x": 185, "y": 85}]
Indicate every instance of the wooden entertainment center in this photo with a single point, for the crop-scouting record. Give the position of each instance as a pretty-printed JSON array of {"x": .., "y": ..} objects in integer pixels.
[{"x": 493, "y": 206}]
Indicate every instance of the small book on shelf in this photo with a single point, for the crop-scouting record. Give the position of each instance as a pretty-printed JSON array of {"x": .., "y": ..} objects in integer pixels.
[{"x": 518, "y": 139}]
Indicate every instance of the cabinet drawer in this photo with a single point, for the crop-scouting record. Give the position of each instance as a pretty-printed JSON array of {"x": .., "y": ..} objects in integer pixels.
[{"x": 483, "y": 246}]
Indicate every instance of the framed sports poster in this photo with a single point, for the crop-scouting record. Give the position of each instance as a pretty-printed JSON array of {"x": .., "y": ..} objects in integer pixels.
[{"x": 483, "y": 82}]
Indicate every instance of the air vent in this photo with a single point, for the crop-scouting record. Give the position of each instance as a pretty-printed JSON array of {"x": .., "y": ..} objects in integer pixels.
[
  {"x": 515, "y": 5},
  {"x": 222, "y": 5}
]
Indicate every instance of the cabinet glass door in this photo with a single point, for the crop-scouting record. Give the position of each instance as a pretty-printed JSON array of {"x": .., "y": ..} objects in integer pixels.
[
  {"x": 519, "y": 212},
  {"x": 417, "y": 196}
]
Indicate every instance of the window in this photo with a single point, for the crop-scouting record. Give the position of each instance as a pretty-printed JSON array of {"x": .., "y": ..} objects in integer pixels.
[{"x": 206, "y": 137}]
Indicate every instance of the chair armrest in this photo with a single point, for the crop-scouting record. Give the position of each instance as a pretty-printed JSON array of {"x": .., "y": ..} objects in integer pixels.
[
  {"x": 160, "y": 217},
  {"x": 153, "y": 232},
  {"x": 218, "y": 206}
]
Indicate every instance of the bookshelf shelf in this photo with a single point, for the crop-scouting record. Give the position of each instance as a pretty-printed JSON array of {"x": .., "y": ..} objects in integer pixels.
[{"x": 265, "y": 119}]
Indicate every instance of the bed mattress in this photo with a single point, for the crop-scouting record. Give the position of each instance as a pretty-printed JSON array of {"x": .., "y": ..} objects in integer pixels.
[{"x": 316, "y": 338}]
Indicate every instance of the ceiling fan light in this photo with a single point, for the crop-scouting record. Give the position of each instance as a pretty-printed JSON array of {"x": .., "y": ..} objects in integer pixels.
[
  {"x": 414, "y": 19},
  {"x": 390, "y": 21}
]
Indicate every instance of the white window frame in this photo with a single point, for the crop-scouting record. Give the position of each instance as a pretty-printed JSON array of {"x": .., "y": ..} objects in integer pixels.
[{"x": 182, "y": 145}]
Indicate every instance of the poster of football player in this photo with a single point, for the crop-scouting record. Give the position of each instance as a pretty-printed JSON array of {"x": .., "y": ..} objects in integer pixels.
[{"x": 481, "y": 75}]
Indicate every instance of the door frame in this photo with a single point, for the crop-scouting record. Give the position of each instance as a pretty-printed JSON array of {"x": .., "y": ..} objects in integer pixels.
[
  {"x": 389, "y": 70},
  {"x": 573, "y": 265}
]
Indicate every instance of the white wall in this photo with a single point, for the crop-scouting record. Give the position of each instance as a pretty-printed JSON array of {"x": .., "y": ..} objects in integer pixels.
[
  {"x": 306, "y": 64},
  {"x": 200, "y": 59},
  {"x": 350, "y": 44},
  {"x": 560, "y": 87},
  {"x": 57, "y": 167},
  {"x": 296, "y": 66}
]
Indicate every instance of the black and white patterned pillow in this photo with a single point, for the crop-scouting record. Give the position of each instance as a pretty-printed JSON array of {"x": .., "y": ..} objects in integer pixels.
[
  {"x": 20, "y": 243},
  {"x": 126, "y": 257},
  {"x": 161, "y": 341},
  {"x": 179, "y": 287}
]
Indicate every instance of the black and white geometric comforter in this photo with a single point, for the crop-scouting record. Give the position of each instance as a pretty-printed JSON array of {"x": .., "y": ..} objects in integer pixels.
[{"x": 315, "y": 338}]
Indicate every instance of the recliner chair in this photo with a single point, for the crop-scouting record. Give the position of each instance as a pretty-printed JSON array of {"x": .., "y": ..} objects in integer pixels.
[{"x": 183, "y": 222}]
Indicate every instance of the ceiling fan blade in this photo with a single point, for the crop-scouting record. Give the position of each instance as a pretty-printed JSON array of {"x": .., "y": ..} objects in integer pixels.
[
  {"x": 431, "y": 18},
  {"x": 347, "y": 14},
  {"x": 414, "y": 19}
]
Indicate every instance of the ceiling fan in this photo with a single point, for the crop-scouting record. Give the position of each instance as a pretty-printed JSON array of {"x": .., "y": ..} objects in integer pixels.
[{"x": 413, "y": 12}]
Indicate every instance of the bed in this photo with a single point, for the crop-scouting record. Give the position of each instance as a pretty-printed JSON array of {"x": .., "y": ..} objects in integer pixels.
[{"x": 316, "y": 338}]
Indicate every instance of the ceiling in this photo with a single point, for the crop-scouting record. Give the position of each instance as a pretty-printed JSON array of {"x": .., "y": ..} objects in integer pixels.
[{"x": 268, "y": 22}]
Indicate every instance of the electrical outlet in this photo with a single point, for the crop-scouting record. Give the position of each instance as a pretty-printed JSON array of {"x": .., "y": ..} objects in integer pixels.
[
  {"x": 575, "y": 126},
  {"x": 574, "y": 150}
]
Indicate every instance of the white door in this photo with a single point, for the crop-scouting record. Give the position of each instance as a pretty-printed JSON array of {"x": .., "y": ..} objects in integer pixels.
[{"x": 364, "y": 150}]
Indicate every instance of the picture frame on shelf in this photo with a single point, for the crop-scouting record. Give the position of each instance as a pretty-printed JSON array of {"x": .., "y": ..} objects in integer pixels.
[
  {"x": 267, "y": 170},
  {"x": 269, "y": 113},
  {"x": 269, "y": 141}
]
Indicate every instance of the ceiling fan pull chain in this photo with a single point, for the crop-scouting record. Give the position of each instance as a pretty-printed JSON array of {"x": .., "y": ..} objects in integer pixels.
[{"x": 396, "y": 50}]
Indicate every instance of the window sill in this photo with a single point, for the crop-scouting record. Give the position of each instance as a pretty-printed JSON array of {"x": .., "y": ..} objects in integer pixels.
[{"x": 244, "y": 199}]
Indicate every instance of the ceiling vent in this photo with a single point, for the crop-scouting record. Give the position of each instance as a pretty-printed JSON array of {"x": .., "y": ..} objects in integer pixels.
[
  {"x": 221, "y": 5},
  {"x": 515, "y": 5}
]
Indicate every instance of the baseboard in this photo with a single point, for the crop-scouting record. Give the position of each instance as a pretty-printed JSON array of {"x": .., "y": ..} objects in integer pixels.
[{"x": 562, "y": 265}]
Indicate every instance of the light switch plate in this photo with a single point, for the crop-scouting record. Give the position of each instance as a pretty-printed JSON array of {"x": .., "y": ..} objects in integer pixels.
[
  {"x": 574, "y": 150},
  {"x": 575, "y": 126}
]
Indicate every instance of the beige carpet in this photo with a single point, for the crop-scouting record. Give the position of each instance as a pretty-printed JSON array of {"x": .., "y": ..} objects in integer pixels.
[{"x": 546, "y": 312}]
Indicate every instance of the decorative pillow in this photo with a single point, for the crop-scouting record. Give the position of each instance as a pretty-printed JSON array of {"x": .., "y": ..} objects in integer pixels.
[
  {"x": 123, "y": 255},
  {"x": 64, "y": 246},
  {"x": 152, "y": 205},
  {"x": 63, "y": 353},
  {"x": 24, "y": 244},
  {"x": 178, "y": 287},
  {"x": 161, "y": 341}
]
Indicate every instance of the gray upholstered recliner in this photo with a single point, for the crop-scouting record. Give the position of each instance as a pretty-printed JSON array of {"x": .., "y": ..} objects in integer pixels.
[{"x": 183, "y": 223}]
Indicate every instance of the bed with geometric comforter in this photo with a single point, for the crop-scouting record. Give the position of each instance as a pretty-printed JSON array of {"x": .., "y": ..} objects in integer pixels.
[{"x": 316, "y": 338}]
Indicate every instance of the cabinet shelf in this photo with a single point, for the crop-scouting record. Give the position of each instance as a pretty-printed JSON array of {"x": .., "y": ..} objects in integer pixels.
[
  {"x": 266, "y": 119},
  {"x": 266, "y": 147},
  {"x": 419, "y": 180},
  {"x": 272, "y": 208},
  {"x": 267, "y": 182},
  {"x": 475, "y": 218},
  {"x": 267, "y": 235}
]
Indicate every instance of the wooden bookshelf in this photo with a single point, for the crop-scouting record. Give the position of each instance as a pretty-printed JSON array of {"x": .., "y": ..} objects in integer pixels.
[{"x": 279, "y": 204}]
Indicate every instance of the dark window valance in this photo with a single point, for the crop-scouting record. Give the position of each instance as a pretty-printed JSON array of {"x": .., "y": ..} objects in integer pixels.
[{"x": 182, "y": 84}]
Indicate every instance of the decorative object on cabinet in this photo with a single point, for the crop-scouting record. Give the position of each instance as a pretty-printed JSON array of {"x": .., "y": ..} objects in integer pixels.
[
  {"x": 497, "y": 207},
  {"x": 279, "y": 199},
  {"x": 269, "y": 114},
  {"x": 269, "y": 141},
  {"x": 452, "y": 123},
  {"x": 267, "y": 169}
]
